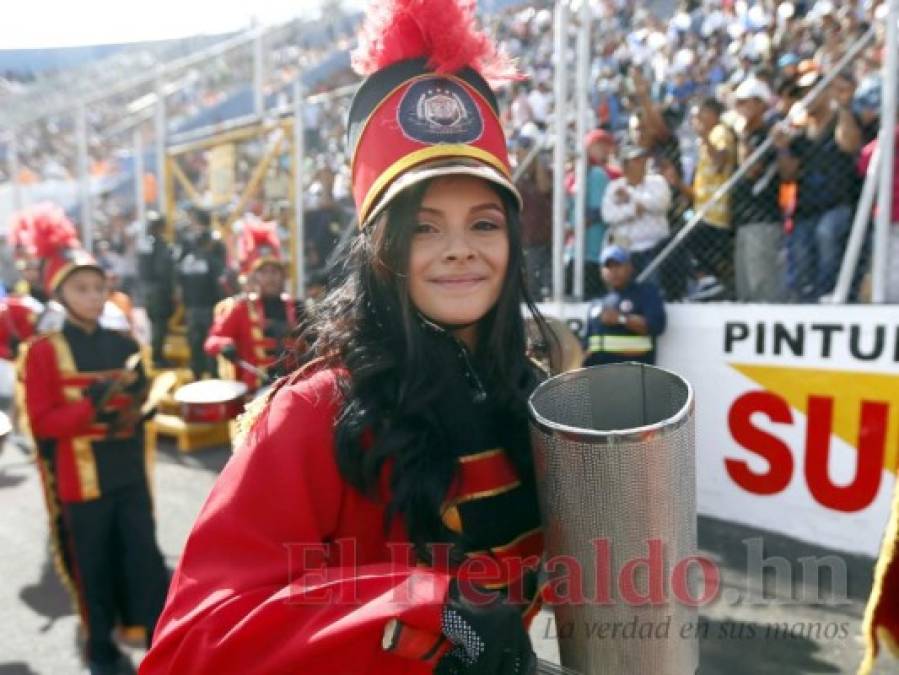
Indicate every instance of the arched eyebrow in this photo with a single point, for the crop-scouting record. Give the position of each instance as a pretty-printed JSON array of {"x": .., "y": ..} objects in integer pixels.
[
  {"x": 478, "y": 208},
  {"x": 488, "y": 206}
]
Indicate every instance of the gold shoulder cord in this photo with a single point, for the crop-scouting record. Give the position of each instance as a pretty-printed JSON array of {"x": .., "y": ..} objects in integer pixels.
[{"x": 247, "y": 419}]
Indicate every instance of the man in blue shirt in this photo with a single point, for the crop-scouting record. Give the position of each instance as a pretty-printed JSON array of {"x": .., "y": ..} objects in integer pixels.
[{"x": 623, "y": 325}]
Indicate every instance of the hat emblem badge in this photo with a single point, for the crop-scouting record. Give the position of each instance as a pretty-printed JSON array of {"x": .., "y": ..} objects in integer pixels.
[{"x": 441, "y": 109}]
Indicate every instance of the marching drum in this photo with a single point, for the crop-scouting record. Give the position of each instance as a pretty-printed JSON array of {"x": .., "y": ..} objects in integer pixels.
[{"x": 211, "y": 401}]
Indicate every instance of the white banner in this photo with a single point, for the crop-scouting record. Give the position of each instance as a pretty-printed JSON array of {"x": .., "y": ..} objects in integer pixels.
[{"x": 797, "y": 414}]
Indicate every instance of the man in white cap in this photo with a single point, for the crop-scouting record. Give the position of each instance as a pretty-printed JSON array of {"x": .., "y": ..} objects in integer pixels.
[{"x": 755, "y": 212}]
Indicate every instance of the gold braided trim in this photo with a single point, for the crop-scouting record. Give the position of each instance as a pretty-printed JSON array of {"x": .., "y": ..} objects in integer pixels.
[
  {"x": 256, "y": 331},
  {"x": 403, "y": 164},
  {"x": 56, "y": 543},
  {"x": 84, "y": 454},
  {"x": 222, "y": 307},
  {"x": 246, "y": 420},
  {"x": 884, "y": 560},
  {"x": 21, "y": 403},
  {"x": 478, "y": 456}
]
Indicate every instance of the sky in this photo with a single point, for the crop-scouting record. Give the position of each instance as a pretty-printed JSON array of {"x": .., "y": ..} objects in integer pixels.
[{"x": 67, "y": 23}]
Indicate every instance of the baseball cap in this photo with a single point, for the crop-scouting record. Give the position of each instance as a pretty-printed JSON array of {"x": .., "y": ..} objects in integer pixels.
[
  {"x": 598, "y": 136},
  {"x": 788, "y": 59},
  {"x": 752, "y": 87},
  {"x": 614, "y": 253},
  {"x": 868, "y": 94},
  {"x": 631, "y": 151}
]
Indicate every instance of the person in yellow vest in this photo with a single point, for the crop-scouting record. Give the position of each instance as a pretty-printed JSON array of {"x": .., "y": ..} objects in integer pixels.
[
  {"x": 623, "y": 325},
  {"x": 253, "y": 329}
]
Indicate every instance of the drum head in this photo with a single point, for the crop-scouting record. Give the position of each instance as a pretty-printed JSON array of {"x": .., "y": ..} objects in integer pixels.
[{"x": 210, "y": 391}]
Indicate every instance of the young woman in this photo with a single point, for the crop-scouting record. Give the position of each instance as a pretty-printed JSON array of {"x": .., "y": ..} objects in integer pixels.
[
  {"x": 381, "y": 515},
  {"x": 83, "y": 389}
]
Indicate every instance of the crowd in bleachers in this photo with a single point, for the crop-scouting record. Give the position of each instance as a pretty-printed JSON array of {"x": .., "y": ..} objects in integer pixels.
[{"x": 677, "y": 103}]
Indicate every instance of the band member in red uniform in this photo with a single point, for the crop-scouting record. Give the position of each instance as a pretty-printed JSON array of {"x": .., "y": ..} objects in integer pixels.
[
  {"x": 18, "y": 318},
  {"x": 83, "y": 391},
  {"x": 20, "y": 310},
  {"x": 253, "y": 328},
  {"x": 385, "y": 485}
]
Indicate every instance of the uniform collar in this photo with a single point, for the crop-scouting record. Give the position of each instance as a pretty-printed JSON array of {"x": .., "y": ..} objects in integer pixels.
[{"x": 72, "y": 329}]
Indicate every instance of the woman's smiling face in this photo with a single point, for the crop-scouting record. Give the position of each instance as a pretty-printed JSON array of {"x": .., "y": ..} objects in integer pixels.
[{"x": 459, "y": 252}]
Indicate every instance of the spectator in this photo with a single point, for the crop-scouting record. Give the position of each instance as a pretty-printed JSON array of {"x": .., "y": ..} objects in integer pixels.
[
  {"x": 623, "y": 325},
  {"x": 200, "y": 269},
  {"x": 325, "y": 220},
  {"x": 866, "y": 102},
  {"x": 535, "y": 186},
  {"x": 787, "y": 97},
  {"x": 649, "y": 127},
  {"x": 540, "y": 101},
  {"x": 821, "y": 158},
  {"x": 520, "y": 109},
  {"x": 755, "y": 211},
  {"x": 711, "y": 241},
  {"x": 156, "y": 270},
  {"x": 653, "y": 130},
  {"x": 892, "y": 285},
  {"x": 634, "y": 207},
  {"x": 600, "y": 145}
]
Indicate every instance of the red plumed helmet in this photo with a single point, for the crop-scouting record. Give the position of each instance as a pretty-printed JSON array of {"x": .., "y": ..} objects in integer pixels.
[
  {"x": 426, "y": 108},
  {"x": 258, "y": 244},
  {"x": 443, "y": 31},
  {"x": 54, "y": 240}
]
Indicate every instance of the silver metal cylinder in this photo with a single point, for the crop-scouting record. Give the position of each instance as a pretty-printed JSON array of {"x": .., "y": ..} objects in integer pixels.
[{"x": 614, "y": 455}]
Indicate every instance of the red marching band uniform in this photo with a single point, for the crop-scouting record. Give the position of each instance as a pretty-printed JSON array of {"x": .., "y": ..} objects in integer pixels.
[
  {"x": 92, "y": 461},
  {"x": 18, "y": 322},
  {"x": 19, "y": 312},
  {"x": 289, "y": 569},
  {"x": 241, "y": 321}
]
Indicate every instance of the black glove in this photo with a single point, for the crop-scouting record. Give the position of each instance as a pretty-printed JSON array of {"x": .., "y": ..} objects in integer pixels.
[
  {"x": 490, "y": 637},
  {"x": 97, "y": 391},
  {"x": 229, "y": 352}
]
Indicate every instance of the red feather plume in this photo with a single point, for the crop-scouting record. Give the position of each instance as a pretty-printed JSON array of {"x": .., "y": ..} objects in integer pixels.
[
  {"x": 445, "y": 31},
  {"x": 51, "y": 230},
  {"x": 257, "y": 233},
  {"x": 20, "y": 232}
]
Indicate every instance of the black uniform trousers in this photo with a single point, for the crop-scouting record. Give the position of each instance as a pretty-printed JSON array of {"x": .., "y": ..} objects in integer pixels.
[
  {"x": 112, "y": 540},
  {"x": 199, "y": 321}
]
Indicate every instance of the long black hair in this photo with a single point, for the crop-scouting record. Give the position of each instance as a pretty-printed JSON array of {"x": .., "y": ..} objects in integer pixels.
[{"x": 388, "y": 417}]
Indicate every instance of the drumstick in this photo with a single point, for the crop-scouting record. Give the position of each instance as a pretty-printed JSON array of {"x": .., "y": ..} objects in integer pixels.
[
  {"x": 122, "y": 380},
  {"x": 258, "y": 372},
  {"x": 415, "y": 643}
]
